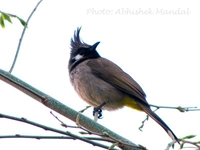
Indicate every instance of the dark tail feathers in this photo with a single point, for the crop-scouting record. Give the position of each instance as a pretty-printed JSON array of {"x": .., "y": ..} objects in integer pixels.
[{"x": 159, "y": 121}]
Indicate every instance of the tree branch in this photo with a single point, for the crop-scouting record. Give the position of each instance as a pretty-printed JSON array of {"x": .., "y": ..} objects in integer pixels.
[
  {"x": 183, "y": 142},
  {"x": 22, "y": 35},
  {"x": 62, "y": 109},
  {"x": 51, "y": 137},
  {"x": 181, "y": 109},
  {"x": 89, "y": 132},
  {"x": 73, "y": 136}
]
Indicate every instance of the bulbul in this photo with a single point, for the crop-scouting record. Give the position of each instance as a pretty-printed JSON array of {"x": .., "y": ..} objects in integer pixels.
[{"x": 100, "y": 82}]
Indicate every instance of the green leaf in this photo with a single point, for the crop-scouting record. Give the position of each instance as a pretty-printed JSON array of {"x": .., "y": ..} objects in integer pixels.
[
  {"x": 113, "y": 145},
  {"x": 181, "y": 109},
  {"x": 6, "y": 17},
  {"x": 22, "y": 21},
  {"x": 173, "y": 145},
  {"x": 2, "y": 22},
  {"x": 106, "y": 134},
  {"x": 82, "y": 132},
  {"x": 189, "y": 137},
  {"x": 63, "y": 124},
  {"x": 181, "y": 145}
]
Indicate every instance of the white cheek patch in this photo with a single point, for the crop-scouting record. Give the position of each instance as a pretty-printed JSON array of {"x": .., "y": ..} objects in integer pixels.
[{"x": 77, "y": 57}]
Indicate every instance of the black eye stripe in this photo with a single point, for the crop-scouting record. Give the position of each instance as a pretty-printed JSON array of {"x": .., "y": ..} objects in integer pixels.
[{"x": 82, "y": 51}]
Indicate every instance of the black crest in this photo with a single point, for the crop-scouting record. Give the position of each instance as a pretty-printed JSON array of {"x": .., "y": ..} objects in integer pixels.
[
  {"x": 78, "y": 47},
  {"x": 77, "y": 43}
]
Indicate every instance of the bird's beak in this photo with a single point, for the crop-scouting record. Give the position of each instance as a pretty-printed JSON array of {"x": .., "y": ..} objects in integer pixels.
[{"x": 93, "y": 47}]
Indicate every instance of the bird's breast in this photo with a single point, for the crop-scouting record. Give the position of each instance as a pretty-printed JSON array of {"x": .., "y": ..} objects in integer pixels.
[{"x": 94, "y": 90}]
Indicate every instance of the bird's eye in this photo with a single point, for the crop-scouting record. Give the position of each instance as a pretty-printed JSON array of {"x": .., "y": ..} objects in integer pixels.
[{"x": 82, "y": 51}]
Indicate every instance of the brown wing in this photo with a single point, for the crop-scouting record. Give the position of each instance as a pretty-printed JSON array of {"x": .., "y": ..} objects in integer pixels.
[{"x": 111, "y": 73}]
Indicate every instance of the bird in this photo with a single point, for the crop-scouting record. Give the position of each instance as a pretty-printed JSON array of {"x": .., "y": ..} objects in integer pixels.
[{"x": 103, "y": 84}]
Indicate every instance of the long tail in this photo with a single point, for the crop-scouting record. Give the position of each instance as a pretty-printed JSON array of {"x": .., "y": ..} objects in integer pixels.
[{"x": 146, "y": 108}]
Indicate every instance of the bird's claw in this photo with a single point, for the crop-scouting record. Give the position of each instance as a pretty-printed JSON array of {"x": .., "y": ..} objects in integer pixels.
[{"x": 99, "y": 110}]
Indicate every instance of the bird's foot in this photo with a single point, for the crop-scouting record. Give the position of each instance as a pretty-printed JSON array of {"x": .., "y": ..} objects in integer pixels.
[{"x": 99, "y": 110}]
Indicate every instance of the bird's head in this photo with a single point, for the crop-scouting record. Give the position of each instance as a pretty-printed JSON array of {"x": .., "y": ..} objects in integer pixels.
[{"x": 81, "y": 51}]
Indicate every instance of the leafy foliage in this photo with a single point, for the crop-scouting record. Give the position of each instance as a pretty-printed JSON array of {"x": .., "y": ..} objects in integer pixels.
[{"x": 7, "y": 17}]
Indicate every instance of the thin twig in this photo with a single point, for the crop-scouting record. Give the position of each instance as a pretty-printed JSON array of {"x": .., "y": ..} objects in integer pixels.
[
  {"x": 62, "y": 123},
  {"x": 106, "y": 135},
  {"x": 22, "y": 35},
  {"x": 34, "y": 137},
  {"x": 51, "y": 137},
  {"x": 146, "y": 119},
  {"x": 111, "y": 138},
  {"x": 183, "y": 142},
  {"x": 193, "y": 143},
  {"x": 54, "y": 130},
  {"x": 181, "y": 109},
  {"x": 81, "y": 111},
  {"x": 139, "y": 147}
]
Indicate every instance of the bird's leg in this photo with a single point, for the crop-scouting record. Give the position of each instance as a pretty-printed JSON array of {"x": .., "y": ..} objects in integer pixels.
[{"x": 98, "y": 110}]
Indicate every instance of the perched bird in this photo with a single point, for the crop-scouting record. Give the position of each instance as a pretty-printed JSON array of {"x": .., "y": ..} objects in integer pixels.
[{"x": 103, "y": 84}]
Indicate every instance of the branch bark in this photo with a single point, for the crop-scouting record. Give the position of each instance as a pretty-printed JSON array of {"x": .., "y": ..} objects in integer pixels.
[{"x": 62, "y": 109}]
